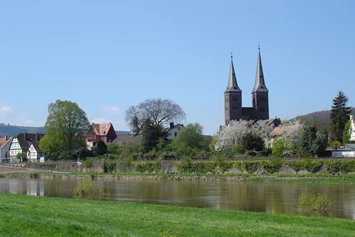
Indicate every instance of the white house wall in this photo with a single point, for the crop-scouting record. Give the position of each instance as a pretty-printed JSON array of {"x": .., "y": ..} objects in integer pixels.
[
  {"x": 174, "y": 132},
  {"x": 15, "y": 149},
  {"x": 343, "y": 154},
  {"x": 32, "y": 154},
  {"x": 352, "y": 132}
]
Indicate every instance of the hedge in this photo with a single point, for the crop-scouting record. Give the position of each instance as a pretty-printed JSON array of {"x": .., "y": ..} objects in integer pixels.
[{"x": 272, "y": 165}]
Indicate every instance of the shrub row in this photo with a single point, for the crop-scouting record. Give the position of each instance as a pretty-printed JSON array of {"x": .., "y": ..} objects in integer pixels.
[
  {"x": 273, "y": 165},
  {"x": 149, "y": 167}
]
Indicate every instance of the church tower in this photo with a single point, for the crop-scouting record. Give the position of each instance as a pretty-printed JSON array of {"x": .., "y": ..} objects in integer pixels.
[
  {"x": 232, "y": 98},
  {"x": 260, "y": 93}
]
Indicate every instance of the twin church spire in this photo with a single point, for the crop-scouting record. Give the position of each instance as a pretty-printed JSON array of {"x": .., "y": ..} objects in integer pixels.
[
  {"x": 259, "y": 77},
  {"x": 233, "y": 97},
  {"x": 232, "y": 81}
]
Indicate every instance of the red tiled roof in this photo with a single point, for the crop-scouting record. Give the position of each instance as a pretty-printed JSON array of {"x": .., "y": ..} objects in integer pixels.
[
  {"x": 276, "y": 132},
  {"x": 101, "y": 129}
]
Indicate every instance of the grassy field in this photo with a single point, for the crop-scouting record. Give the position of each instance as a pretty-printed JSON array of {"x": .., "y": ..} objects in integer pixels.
[{"x": 22, "y": 215}]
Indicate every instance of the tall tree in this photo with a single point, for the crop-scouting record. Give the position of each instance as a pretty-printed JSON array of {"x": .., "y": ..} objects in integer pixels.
[
  {"x": 339, "y": 115},
  {"x": 151, "y": 134},
  {"x": 65, "y": 126},
  {"x": 158, "y": 111},
  {"x": 312, "y": 142}
]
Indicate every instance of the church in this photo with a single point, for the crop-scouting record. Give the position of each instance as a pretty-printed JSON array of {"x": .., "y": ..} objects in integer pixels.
[{"x": 233, "y": 109}]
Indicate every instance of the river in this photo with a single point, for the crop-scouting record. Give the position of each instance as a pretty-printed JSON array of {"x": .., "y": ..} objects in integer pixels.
[{"x": 227, "y": 195}]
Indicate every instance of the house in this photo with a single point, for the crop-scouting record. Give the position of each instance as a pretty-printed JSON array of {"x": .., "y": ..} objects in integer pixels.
[
  {"x": 22, "y": 142},
  {"x": 284, "y": 131},
  {"x": 174, "y": 130},
  {"x": 348, "y": 150},
  {"x": 104, "y": 132},
  {"x": 352, "y": 128},
  {"x": 34, "y": 152},
  {"x": 5, "y": 143}
]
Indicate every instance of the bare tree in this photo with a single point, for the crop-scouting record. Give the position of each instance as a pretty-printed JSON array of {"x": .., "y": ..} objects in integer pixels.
[{"x": 159, "y": 111}]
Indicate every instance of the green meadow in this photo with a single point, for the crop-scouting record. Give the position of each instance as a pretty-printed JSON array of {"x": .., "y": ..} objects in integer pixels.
[{"x": 22, "y": 215}]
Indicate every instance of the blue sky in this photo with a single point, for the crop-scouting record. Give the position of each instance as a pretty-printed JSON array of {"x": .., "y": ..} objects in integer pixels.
[{"x": 108, "y": 55}]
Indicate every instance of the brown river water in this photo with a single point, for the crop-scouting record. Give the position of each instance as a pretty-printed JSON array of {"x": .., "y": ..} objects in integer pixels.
[{"x": 278, "y": 198}]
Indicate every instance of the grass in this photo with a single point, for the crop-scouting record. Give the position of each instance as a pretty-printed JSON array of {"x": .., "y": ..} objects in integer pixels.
[{"x": 22, "y": 215}]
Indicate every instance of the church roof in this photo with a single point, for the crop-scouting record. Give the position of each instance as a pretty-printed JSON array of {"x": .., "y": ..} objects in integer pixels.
[
  {"x": 259, "y": 77},
  {"x": 232, "y": 80}
]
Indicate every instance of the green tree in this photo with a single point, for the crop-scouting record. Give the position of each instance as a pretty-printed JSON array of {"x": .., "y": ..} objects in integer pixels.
[
  {"x": 312, "y": 142},
  {"x": 22, "y": 156},
  {"x": 113, "y": 148},
  {"x": 151, "y": 134},
  {"x": 252, "y": 142},
  {"x": 346, "y": 133},
  {"x": 191, "y": 137},
  {"x": 280, "y": 146},
  {"x": 100, "y": 148},
  {"x": 65, "y": 128},
  {"x": 339, "y": 115},
  {"x": 212, "y": 144}
]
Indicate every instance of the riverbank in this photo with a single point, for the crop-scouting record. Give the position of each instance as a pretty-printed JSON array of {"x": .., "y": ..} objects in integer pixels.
[
  {"x": 23, "y": 172},
  {"x": 307, "y": 178},
  {"x": 46, "y": 216}
]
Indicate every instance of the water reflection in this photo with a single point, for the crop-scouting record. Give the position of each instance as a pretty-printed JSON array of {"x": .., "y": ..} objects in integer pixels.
[{"x": 227, "y": 195}]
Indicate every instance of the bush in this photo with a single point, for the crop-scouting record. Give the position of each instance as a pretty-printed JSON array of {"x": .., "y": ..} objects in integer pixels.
[
  {"x": 249, "y": 166},
  {"x": 314, "y": 202},
  {"x": 89, "y": 162},
  {"x": 280, "y": 146},
  {"x": 113, "y": 148},
  {"x": 109, "y": 165},
  {"x": 22, "y": 156},
  {"x": 273, "y": 165},
  {"x": 340, "y": 165},
  {"x": 34, "y": 175},
  {"x": 308, "y": 164},
  {"x": 148, "y": 167},
  {"x": 128, "y": 161},
  {"x": 219, "y": 160},
  {"x": 252, "y": 142},
  {"x": 87, "y": 189}
]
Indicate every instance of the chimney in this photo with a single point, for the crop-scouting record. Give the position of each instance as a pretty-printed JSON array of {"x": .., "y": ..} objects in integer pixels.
[
  {"x": 171, "y": 125},
  {"x": 24, "y": 136}
]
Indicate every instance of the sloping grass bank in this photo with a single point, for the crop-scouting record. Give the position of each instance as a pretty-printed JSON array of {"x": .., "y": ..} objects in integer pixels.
[{"x": 22, "y": 215}]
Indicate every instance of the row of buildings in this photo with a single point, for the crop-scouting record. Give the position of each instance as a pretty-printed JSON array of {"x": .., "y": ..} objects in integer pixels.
[{"x": 28, "y": 143}]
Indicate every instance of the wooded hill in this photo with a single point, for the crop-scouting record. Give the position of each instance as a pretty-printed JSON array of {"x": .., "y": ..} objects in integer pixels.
[
  {"x": 321, "y": 119},
  {"x": 11, "y": 130}
]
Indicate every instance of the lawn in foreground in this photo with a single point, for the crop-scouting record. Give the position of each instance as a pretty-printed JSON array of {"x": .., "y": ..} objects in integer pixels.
[{"x": 22, "y": 215}]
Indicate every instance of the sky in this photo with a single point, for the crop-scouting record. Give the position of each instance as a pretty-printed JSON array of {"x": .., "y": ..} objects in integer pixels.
[{"x": 108, "y": 55}]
